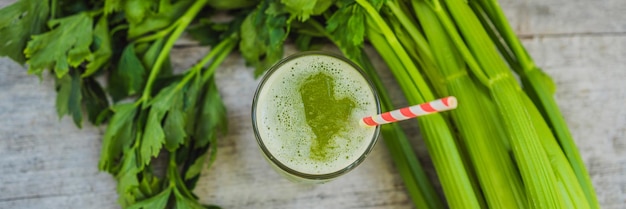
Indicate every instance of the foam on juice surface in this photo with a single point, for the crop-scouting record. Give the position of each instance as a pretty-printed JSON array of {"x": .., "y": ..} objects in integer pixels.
[{"x": 282, "y": 121}]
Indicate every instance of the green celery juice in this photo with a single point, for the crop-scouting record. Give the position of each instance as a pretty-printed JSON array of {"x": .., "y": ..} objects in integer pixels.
[{"x": 307, "y": 112}]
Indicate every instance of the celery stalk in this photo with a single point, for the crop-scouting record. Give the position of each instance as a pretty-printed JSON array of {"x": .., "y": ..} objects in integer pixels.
[
  {"x": 540, "y": 88},
  {"x": 571, "y": 190},
  {"x": 534, "y": 165},
  {"x": 504, "y": 50},
  {"x": 419, "y": 91},
  {"x": 425, "y": 66},
  {"x": 415, "y": 44},
  {"x": 488, "y": 153},
  {"x": 403, "y": 23}
]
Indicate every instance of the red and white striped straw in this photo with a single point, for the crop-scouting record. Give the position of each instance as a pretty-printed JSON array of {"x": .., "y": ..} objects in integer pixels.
[{"x": 443, "y": 104}]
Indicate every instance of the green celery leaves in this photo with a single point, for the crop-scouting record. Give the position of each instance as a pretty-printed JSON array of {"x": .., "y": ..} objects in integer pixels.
[
  {"x": 69, "y": 97},
  {"x": 129, "y": 76},
  {"x": 118, "y": 136},
  {"x": 263, "y": 33},
  {"x": 347, "y": 26},
  {"x": 148, "y": 16},
  {"x": 18, "y": 22},
  {"x": 303, "y": 9},
  {"x": 102, "y": 47},
  {"x": 48, "y": 51},
  {"x": 156, "y": 202}
]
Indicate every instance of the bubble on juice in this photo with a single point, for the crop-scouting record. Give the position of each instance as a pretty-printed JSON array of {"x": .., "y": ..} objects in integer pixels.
[{"x": 283, "y": 126}]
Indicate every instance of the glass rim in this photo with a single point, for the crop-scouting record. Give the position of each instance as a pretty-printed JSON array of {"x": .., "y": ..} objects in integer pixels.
[{"x": 287, "y": 169}]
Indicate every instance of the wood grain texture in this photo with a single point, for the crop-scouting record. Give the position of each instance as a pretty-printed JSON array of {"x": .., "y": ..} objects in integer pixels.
[
  {"x": 566, "y": 17},
  {"x": 44, "y": 160},
  {"x": 47, "y": 162}
]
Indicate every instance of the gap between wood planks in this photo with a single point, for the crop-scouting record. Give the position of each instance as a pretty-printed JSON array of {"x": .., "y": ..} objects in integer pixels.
[{"x": 569, "y": 35}]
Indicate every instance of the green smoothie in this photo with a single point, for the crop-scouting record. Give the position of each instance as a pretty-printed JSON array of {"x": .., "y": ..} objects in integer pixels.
[{"x": 307, "y": 111}]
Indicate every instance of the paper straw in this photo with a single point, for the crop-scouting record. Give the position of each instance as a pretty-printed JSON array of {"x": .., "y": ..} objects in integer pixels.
[{"x": 443, "y": 104}]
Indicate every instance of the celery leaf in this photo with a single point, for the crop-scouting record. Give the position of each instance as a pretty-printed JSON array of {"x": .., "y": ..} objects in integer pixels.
[
  {"x": 129, "y": 76},
  {"x": 111, "y": 6},
  {"x": 347, "y": 25},
  {"x": 69, "y": 97},
  {"x": 66, "y": 45},
  {"x": 102, "y": 47},
  {"x": 212, "y": 117},
  {"x": 151, "y": 16},
  {"x": 174, "y": 125},
  {"x": 94, "y": 99},
  {"x": 303, "y": 9},
  {"x": 18, "y": 22},
  {"x": 154, "y": 136},
  {"x": 127, "y": 181},
  {"x": 156, "y": 202},
  {"x": 263, "y": 33},
  {"x": 118, "y": 136},
  {"x": 183, "y": 202},
  {"x": 196, "y": 167}
]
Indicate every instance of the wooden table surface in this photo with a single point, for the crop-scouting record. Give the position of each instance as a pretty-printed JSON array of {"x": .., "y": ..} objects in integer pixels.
[{"x": 49, "y": 163}]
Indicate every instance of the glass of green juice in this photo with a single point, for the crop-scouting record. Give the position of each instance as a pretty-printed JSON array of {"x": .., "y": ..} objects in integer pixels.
[{"x": 306, "y": 116}]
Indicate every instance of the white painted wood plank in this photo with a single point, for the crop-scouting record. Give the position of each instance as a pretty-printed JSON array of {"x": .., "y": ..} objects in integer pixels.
[
  {"x": 563, "y": 17},
  {"x": 43, "y": 160}
]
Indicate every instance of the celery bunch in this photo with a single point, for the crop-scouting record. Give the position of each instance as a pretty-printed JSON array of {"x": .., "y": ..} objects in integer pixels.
[{"x": 513, "y": 148}]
